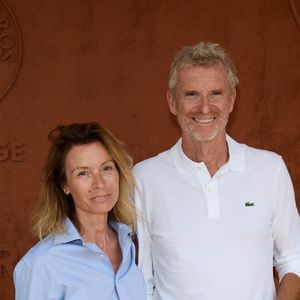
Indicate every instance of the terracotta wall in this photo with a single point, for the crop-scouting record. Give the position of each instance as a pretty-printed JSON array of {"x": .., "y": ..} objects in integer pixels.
[{"x": 75, "y": 60}]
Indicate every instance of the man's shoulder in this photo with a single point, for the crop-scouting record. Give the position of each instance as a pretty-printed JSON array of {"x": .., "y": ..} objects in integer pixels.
[
  {"x": 162, "y": 159},
  {"x": 259, "y": 153},
  {"x": 257, "y": 156}
]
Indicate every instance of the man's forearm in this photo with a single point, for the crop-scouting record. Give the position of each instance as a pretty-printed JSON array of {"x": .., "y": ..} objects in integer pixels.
[{"x": 289, "y": 288}]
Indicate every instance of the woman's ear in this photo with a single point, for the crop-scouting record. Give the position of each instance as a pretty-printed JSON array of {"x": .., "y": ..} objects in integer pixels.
[{"x": 66, "y": 189}]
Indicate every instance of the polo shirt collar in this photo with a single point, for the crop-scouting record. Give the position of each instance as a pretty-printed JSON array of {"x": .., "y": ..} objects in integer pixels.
[
  {"x": 237, "y": 155},
  {"x": 235, "y": 163}
]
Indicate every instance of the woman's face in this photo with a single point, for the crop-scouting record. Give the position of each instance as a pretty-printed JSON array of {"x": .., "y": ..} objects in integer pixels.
[{"x": 92, "y": 179}]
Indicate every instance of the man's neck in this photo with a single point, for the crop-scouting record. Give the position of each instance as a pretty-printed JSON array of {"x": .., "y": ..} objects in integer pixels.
[{"x": 213, "y": 153}]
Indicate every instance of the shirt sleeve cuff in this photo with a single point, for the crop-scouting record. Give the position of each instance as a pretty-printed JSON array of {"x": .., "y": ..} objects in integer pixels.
[{"x": 291, "y": 267}]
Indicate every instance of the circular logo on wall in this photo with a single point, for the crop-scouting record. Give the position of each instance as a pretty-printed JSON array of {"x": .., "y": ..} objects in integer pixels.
[{"x": 10, "y": 48}]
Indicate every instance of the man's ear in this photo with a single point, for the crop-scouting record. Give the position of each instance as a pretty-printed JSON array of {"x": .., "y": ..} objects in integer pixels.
[
  {"x": 232, "y": 100},
  {"x": 171, "y": 102}
]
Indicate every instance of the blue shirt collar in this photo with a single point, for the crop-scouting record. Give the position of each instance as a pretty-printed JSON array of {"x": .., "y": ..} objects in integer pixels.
[
  {"x": 71, "y": 234},
  {"x": 235, "y": 163}
]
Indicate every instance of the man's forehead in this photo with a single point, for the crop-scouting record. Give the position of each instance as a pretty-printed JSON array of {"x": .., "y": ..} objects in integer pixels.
[
  {"x": 199, "y": 73},
  {"x": 214, "y": 65}
]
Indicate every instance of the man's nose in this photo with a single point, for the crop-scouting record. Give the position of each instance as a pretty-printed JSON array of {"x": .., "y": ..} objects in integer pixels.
[{"x": 203, "y": 104}]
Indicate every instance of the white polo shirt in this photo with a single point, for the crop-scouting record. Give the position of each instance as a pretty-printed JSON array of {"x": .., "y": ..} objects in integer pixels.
[{"x": 214, "y": 238}]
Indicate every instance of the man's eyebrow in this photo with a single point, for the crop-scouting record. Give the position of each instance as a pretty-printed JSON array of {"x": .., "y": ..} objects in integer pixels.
[
  {"x": 190, "y": 92},
  {"x": 217, "y": 90}
]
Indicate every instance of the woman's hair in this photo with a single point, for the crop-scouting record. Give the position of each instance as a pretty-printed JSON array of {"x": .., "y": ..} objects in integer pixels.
[
  {"x": 202, "y": 54},
  {"x": 54, "y": 205}
]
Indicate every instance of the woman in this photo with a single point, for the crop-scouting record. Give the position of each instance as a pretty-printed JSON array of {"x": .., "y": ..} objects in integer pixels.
[{"x": 84, "y": 220}]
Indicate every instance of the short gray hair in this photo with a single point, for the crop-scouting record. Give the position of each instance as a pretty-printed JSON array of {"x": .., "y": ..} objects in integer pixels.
[{"x": 202, "y": 54}]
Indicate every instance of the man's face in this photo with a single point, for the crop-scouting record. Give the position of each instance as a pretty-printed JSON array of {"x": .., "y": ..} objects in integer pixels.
[{"x": 202, "y": 101}]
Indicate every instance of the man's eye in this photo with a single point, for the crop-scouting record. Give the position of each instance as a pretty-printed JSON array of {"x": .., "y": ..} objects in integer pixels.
[
  {"x": 214, "y": 93},
  {"x": 191, "y": 93}
]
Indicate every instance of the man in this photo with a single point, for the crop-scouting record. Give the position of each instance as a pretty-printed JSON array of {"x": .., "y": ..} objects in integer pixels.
[{"x": 215, "y": 214}]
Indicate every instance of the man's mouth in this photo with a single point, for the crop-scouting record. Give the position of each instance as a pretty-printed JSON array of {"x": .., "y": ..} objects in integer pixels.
[{"x": 204, "y": 121}]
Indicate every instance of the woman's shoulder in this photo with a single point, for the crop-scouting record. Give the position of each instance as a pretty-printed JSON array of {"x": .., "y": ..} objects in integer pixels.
[{"x": 38, "y": 253}]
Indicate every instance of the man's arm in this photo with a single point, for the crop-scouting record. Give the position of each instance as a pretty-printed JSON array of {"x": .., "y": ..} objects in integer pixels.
[
  {"x": 144, "y": 241},
  {"x": 286, "y": 233},
  {"x": 289, "y": 288}
]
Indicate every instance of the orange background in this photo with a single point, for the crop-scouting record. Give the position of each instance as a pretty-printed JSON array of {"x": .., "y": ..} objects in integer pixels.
[{"x": 108, "y": 61}]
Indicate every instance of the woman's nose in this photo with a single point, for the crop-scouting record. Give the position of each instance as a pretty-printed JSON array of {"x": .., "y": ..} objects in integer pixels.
[{"x": 98, "y": 181}]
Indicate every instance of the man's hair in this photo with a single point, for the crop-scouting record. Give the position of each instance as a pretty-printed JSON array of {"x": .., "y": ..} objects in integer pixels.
[
  {"x": 202, "y": 54},
  {"x": 54, "y": 205}
]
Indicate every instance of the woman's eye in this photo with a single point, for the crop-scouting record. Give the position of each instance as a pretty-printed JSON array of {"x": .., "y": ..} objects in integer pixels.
[
  {"x": 107, "y": 168},
  {"x": 83, "y": 173}
]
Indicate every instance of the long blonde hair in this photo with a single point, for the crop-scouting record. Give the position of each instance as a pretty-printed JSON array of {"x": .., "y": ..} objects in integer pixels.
[{"x": 54, "y": 205}]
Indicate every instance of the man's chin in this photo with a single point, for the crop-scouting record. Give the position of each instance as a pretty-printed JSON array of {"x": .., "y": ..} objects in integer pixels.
[{"x": 204, "y": 137}]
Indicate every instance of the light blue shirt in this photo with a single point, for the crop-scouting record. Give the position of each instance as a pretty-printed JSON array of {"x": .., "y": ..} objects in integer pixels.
[{"x": 62, "y": 267}]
